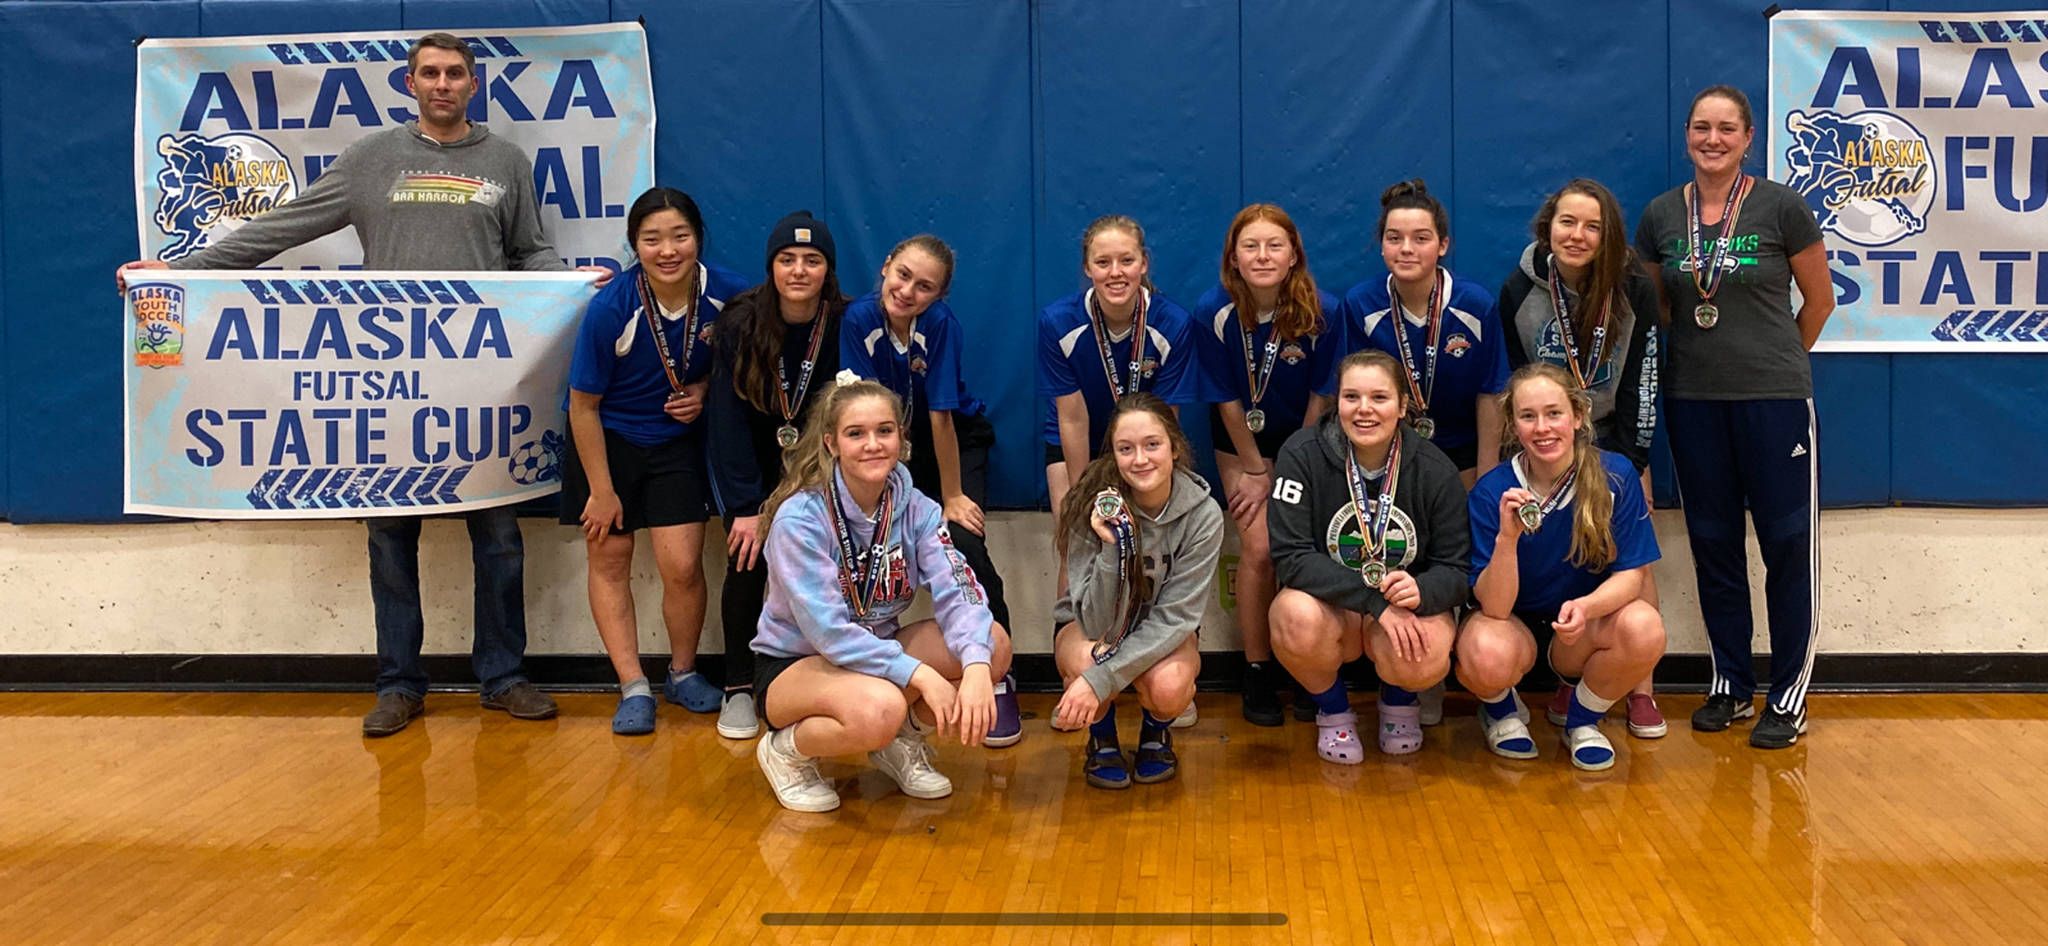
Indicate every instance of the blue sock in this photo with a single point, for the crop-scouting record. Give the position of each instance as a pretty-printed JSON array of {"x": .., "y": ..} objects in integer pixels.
[
  {"x": 1334, "y": 700},
  {"x": 1105, "y": 728},
  {"x": 1587, "y": 709},
  {"x": 1395, "y": 696},
  {"x": 1503, "y": 707},
  {"x": 1150, "y": 723}
]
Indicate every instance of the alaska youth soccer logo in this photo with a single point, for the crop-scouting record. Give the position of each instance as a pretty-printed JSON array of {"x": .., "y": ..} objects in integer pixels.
[
  {"x": 1867, "y": 175},
  {"x": 210, "y": 181},
  {"x": 1346, "y": 543},
  {"x": 159, "y": 324},
  {"x": 538, "y": 461}
]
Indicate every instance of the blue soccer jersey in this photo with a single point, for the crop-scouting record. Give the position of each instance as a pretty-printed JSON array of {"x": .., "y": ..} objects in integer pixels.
[
  {"x": 1070, "y": 360},
  {"x": 1470, "y": 357},
  {"x": 1301, "y": 366},
  {"x": 617, "y": 359},
  {"x": 1547, "y": 577},
  {"x": 925, "y": 372}
]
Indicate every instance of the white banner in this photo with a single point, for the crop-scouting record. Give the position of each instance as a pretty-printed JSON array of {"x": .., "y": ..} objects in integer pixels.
[
  {"x": 1921, "y": 142},
  {"x": 228, "y": 127},
  {"x": 249, "y": 395}
]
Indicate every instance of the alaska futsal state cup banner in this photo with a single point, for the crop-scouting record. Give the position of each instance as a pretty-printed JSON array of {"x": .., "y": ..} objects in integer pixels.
[
  {"x": 229, "y": 127},
  {"x": 1921, "y": 142},
  {"x": 262, "y": 395}
]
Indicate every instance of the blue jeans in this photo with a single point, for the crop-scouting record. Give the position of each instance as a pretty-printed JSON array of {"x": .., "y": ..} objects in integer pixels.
[{"x": 499, "y": 649}]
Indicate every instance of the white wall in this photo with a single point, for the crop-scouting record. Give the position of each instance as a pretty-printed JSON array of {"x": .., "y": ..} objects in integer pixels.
[{"x": 1893, "y": 581}]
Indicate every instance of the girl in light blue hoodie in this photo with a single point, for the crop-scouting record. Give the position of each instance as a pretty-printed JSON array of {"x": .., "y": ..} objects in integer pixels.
[{"x": 850, "y": 541}]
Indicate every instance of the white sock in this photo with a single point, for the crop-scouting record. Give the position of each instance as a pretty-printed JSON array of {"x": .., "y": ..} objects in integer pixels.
[
  {"x": 783, "y": 741},
  {"x": 1586, "y": 697},
  {"x": 638, "y": 687}
]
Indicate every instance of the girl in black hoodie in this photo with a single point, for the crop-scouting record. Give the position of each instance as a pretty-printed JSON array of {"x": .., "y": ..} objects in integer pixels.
[{"x": 1382, "y": 584}]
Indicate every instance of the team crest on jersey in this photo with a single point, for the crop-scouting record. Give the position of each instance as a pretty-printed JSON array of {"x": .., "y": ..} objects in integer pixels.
[
  {"x": 1292, "y": 353},
  {"x": 1148, "y": 366},
  {"x": 1867, "y": 175},
  {"x": 1345, "y": 541},
  {"x": 1457, "y": 345},
  {"x": 917, "y": 364},
  {"x": 159, "y": 324},
  {"x": 210, "y": 185}
]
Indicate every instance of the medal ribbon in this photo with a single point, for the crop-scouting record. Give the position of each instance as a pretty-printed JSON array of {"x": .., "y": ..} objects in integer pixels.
[
  {"x": 1097, "y": 320},
  {"x": 1569, "y": 331},
  {"x": 803, "y": 378},
  {"x": 863, "y": 580},
  {"x": 1424, "y": 384},
  {"x": 1373, "y": 515},
  {"x": 1257, "y": 378},
  {"x": 1546, "y": 505},
  {"x": 1707, "y": 278},
  {"x": 1125, "y": 530},
  {"x": 676, "y": 373}
]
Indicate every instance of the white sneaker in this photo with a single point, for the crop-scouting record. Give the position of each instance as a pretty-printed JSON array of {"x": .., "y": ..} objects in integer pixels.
[
  {"x": 795, "y": 779},
  {"x": 1187, "y": 718},
  {"x": 736, "y": 719},
  {"x": 1432, "y": 703},
  {"x": 908, "y": 760}
]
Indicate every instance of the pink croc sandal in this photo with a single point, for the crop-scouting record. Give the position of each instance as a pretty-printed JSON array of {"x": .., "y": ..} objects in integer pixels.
[
  {"x": 1400, "y": 729},
  {"x": 1337, "y": 738}
]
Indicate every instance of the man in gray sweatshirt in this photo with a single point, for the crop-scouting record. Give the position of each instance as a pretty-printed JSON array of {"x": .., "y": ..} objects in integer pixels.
[{"x": 438, "y": 193}]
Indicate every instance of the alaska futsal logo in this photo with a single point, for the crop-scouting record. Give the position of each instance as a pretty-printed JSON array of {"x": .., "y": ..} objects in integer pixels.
[
  {"x": 1346, "y": 543},
  {"x": 211, "y": 185},
  {"x": 159, "y": 324},
  {"x": 1866, "y": 175}
]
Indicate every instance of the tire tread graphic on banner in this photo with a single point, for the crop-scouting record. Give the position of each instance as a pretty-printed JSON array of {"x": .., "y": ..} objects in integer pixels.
[
  {"x": 1994, "y": 325},
  {"x": 357, "y": 487}
]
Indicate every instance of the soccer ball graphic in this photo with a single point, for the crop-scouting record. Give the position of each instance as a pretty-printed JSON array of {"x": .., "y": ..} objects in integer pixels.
[{"x": 538, "y": 461}]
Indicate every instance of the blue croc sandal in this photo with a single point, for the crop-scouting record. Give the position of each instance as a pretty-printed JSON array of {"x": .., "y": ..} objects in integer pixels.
[
  {"x": 689, "y": 690},
  {"x": 635, "y": 716}
]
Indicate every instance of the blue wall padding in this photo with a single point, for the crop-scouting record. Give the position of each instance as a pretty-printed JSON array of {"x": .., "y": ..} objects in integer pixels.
[
  {"x": 1967, "y": 431},
  {"x": 1005, "y": 128},
  {"x": 1850, "y": 391},
  {"x": 1519, "y": 139},
  {"x": 1333, "y": 113},
  {"x": 69, "y": 203},
  {"x": 741, "y": 126},
  {"x": 940, "y": 142}
]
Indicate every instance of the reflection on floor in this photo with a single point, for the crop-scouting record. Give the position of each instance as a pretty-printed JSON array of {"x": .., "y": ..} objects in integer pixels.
[{"x": 263, "y": 818}]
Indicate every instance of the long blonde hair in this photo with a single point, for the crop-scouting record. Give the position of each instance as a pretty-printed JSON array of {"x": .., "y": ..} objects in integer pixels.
[
  {"x": 1592, "y": 532},
  {"x": 809, "y": 464}
]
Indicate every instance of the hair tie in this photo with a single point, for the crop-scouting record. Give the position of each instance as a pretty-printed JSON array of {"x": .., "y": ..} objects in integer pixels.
[{"x": 844, "y": 378}]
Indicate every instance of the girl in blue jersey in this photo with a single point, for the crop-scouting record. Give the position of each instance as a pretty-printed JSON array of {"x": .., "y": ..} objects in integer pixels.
[
  {"x": 837, "y": 669},
  {"x": 1561, "y": 542},
  {"x": 1269, "y": 342},
  {"x": 905, "y": 336},
  {"x": 636, "y": 396},
  {"x": 1578, "y": 301},
  {"x": 1114, "y": 338},
  {"x": 1446, "y": 332}
]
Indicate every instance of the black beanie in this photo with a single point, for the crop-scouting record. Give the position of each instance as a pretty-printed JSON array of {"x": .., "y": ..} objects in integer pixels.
[{"x": 801, "y": 229}]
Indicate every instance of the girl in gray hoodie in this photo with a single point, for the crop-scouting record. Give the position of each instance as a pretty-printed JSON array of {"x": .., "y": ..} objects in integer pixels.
[{"x": 1141, "y": 546}]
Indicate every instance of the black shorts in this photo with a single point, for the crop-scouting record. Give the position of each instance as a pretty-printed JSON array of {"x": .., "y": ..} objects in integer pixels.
[
  {"x": 1269, "y": 440},
  {"x": 766, "y": 669},
  {"x": 1054, "y": 454},
  {"x": 663, "y": 485},
  {"x": 1463, "y": 457}
]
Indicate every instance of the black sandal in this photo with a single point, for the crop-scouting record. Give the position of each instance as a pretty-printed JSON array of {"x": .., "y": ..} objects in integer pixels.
[
  {"x": 1104, "y": 764},
  {"x": 1155, "y": 761}
]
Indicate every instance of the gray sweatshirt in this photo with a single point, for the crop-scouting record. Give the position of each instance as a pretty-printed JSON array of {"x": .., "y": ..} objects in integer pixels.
[
  {"x": 1180, "y": 550},
  {"x": 416, "y": 204}
]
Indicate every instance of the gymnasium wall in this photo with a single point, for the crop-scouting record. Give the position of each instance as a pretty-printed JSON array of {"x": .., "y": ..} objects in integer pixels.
[{"x": 1005, "y": 127}]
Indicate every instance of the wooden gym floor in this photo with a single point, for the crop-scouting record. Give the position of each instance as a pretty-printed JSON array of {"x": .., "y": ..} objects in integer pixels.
[{"x": 260, "y": 818}]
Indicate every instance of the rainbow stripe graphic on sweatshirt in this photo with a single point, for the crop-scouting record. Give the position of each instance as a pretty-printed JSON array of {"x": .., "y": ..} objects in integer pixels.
[{"x": 420, "y": 187}]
